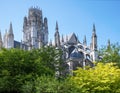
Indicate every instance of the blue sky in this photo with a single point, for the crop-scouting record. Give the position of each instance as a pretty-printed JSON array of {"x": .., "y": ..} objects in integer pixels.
[{"x": 75, "y": 16}]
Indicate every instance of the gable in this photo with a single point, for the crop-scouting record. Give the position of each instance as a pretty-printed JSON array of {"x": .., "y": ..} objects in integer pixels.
[{"x": 72, "y": 39}]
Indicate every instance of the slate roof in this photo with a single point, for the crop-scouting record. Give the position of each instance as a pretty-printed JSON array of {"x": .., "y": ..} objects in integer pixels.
[{"x": 18, "y": 44}]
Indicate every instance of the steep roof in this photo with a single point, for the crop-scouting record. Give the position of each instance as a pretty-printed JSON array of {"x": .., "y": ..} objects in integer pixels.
[{"x": 73, "y": 39}]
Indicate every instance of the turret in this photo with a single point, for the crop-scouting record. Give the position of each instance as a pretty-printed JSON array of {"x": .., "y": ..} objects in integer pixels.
[
  {"x": 57, "y": 36},
  {"x": 45, "y": 23}
]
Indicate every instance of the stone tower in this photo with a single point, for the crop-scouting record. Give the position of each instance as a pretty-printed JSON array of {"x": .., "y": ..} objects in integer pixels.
[{"x": 35, "y": 30}]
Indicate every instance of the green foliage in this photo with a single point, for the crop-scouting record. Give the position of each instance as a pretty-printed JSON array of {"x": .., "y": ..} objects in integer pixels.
[
  {"x": 19, "y": 66},
  {"x": 34, "y": 72},
  {"x": 103, "y": 78},
  {"x": 111, "y": 54},
  {"x": 48, "y": 84}
]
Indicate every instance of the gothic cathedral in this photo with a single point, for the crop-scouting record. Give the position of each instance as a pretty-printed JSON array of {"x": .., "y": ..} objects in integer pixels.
[{"x": 35, "y": 35}]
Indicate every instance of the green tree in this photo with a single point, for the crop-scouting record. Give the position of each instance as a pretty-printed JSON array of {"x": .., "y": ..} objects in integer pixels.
[
  {"x": 19, "y": 66},
  {"x": 49, "y": 84},
  {"x": 15, "y": 68},
  {"x": 110, "y": 53},
  {"x": 103, "y": 78}
]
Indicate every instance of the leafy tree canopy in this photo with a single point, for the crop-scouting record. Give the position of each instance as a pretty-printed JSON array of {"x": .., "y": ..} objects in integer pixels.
[
  {"x": 19, "y": 66},
  {"x": 103, "y": 78}
]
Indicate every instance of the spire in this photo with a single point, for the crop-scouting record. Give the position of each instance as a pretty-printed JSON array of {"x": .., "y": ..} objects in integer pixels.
[
  {"x": 93, "y": 45},
  {"x": 94, "y": 31},
  {"x": 10, "y": 37},
  {"x": 84, "y": 40},
  {"x": 56, "y": 26},
  {"x": 10, "y": 29},
  {"x": 57, "y": 36},
  {"x": 94, "y": 39}
]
